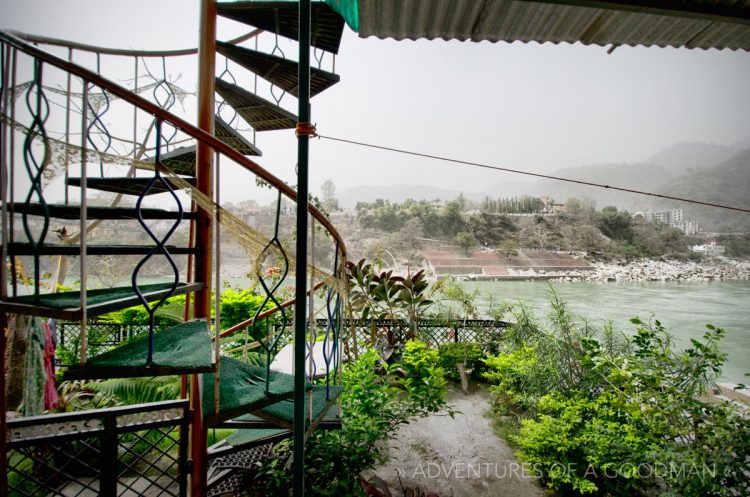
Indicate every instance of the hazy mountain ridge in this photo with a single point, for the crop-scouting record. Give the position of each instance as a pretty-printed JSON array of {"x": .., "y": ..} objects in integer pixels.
[
  {"x": 632, "y": 176},
  {"x": 727, "y": 184},
  {"x": 704, "y": 171},
  {"x": 681, "y": 157}
]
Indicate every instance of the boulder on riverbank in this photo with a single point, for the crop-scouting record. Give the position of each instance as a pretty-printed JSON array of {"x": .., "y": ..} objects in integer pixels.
[{"x": 662, "y": 270}]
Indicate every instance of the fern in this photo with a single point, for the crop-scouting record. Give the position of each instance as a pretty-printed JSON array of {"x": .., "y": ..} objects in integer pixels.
[{"x": 140, "y": 390}]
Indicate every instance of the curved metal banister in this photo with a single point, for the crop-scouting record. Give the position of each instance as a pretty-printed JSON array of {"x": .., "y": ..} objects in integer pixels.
[
  {"x": 120, "y": 51},
  {"x": 184, "y": 126},
  {"x": 268, "y": 313}
]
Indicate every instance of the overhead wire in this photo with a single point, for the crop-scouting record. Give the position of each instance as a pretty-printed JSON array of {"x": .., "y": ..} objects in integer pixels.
[{"x": 528, "y": 173}]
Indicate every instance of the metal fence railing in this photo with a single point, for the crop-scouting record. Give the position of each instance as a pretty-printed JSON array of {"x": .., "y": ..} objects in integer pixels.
[
  {"x": 130, "y": 450},
  {"x": 435, "y": 332},
  {"x": 103, "y": 335}
]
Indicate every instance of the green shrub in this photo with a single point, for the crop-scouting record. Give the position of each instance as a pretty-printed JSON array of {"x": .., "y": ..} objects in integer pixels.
[
  {"x": 168, "y": 314},
  {"x": 614, "y": 415},
  {"x": 518, "y": 379},
  {"x": 468, "y": 353},
  {"x": 376, "y": 400},
  {"x": 587, "y": 445},
  {"x": 424, "y": 382},
  {"x": 240, "y": 305}
]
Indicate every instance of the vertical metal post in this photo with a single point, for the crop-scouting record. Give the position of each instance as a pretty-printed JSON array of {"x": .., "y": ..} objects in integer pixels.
[
  {"x": 217, "y": 301},
  {"x": 4, "y": 159},
  {"x": 11, "y": 165},
  {"x": 67, "y": 129},
  {"x": 84, "y": 222},
  {"x": 300, "y": 276},
  {"x": 203, "y": 230},
  {"x": 108, "y": 464},
  {"x": 5, "y": 128},
  {"x": 313, "y": 331}
]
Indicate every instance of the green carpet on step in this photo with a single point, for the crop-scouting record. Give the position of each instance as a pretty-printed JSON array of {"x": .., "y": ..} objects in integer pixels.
[
  {"x": 242, "y": 386},
  {"x": 68, "y": 300},
  {"x": 284, "y": 410},
  {"x": 187, "y": 345},
  {"x": 244, "y": 436}
]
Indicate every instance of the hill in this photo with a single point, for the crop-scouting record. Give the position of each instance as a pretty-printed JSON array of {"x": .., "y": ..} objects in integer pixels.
[
  {"x": 683, "y": 156},
  {"x": 727, "y": 184},
  {"x": 635, "y": 176}
]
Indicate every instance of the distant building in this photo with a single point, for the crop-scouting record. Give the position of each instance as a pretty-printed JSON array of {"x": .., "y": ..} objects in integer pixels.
[
  {"x": 671, "y": 217},
  {"x": 550, "y": 207},
  {"x": 689, "y": 227},
  {"x": 711, "y": 248}
]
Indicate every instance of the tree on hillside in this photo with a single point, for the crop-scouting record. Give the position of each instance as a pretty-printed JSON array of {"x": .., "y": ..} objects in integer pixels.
[
  {"x": 465, "y": 240},
  {"x": 616, "y": 225},
  {"x": 491, "y": 229},
  {"x": 453, "y": 217},
  {"x": 509, "y": 247},
  {"x": 328, "y": 189}
]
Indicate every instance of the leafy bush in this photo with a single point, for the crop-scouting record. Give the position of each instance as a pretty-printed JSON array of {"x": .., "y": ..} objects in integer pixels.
[
  {"x": 387, "y": 296},
  {"x": 168, "y": 314},
  {"x": 375, "y": 401},
  {"x": 468, "y": 353},
  {"x": 424, "y": 382},
  {"x": 617, "y": 416},
  {"x": 240, "y": 305},
  {"x": 519, "y": 378}
]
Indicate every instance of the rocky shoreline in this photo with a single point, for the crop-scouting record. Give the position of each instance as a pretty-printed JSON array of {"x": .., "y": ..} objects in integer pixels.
[{"x": 719, "y": 269}]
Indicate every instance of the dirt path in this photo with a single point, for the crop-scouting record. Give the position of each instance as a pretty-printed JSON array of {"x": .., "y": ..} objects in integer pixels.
[{"x": 457, "y": 457}]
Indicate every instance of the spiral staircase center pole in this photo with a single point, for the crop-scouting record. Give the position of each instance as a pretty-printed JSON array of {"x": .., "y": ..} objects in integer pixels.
[
  {"x": 300, "y": 273},
  {"x": 204, "y": 227}
]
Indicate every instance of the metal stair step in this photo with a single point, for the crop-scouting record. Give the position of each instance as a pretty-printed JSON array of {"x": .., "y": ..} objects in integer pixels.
[
  {"x": 259, "y": 113},
  {"x": 182, "y": 160},
  {"x": 61, "y": 211},
  {"x": 67, "y": 305},
  {"x": 128, "y": 186},
  {"x": 182, "y": 349},
  {"x": 281, "y": 72},
  {"x": 228, "y": 135},
  {"x": 283, "y": 18},
  {"x": 242, "y": 389}
]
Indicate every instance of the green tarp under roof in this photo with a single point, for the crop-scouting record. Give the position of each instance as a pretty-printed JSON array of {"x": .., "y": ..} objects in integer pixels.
[{"x": 349, "y": 10}]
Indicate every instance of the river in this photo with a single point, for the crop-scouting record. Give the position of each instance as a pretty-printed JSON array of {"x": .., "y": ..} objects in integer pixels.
[{"x": 684, "y": 308}]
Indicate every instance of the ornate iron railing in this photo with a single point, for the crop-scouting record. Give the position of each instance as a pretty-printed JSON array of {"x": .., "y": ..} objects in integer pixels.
[{"x": 133, "y": 450}]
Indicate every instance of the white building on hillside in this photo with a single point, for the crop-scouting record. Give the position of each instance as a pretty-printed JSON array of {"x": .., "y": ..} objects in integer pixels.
[
  {"x": 671, "y": 217},
  {"x": 711, "y": 248}
]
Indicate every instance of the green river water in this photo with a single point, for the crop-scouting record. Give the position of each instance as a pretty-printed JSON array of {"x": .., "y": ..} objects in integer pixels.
[{"x": 683, "y": 308}]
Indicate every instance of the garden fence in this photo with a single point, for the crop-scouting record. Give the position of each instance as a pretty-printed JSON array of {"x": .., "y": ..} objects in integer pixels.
[
  {"x": 131, "y": 450},
  {"x": 436, "y": 332}
]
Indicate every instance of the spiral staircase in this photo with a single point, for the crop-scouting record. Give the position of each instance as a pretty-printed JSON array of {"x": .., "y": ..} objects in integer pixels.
[{"x": 257, "y": 401}]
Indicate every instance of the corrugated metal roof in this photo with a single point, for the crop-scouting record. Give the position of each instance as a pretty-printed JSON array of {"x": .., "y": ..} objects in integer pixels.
[{"x": 597, "y": 23}]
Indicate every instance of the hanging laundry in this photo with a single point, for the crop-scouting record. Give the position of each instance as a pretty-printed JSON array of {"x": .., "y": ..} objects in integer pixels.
[{"x": 50, "y": 387}]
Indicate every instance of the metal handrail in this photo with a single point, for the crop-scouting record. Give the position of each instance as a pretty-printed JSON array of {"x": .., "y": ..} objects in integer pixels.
[
  {"x": 181, "y": 124},
  {"x": 270, "y": 312},
  {"x": 120, "y": 51}
]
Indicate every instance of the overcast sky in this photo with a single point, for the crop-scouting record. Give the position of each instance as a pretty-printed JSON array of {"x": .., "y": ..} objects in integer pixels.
[{"x": 532, "y": 107}]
